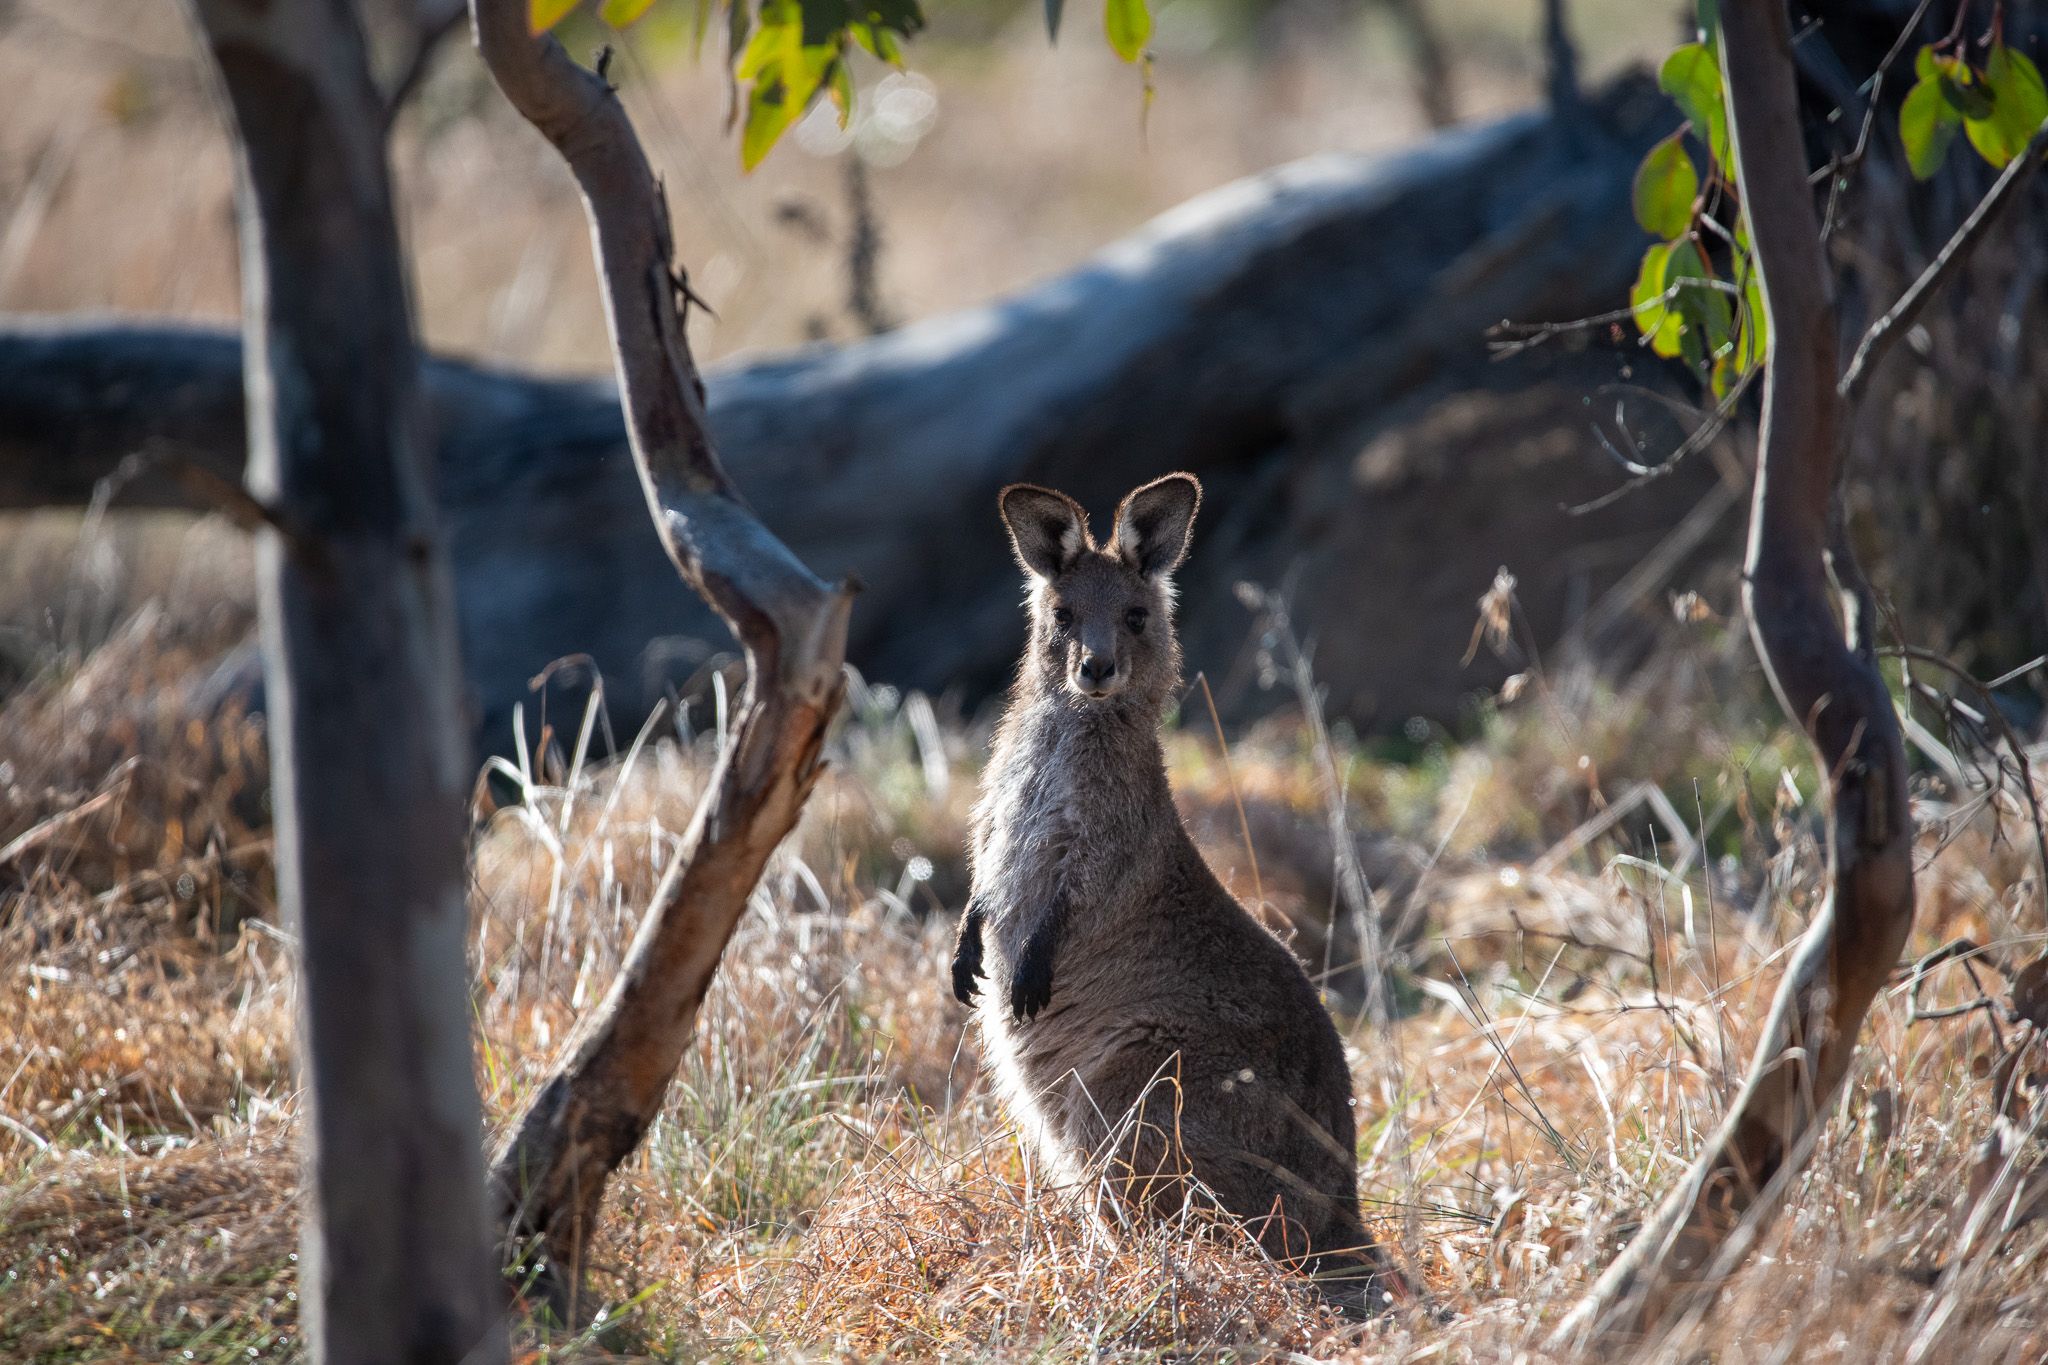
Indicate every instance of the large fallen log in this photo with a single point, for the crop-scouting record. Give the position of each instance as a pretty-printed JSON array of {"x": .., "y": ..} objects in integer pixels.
[{"x": 1261, "y": 335}]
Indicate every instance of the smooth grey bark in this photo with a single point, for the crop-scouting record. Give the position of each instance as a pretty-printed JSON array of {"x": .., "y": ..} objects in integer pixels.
[
  {"x": 549, "y": 1174},
  {"x": 1813, "y": 622},
  {"x": 368, "y": 749},
  {"x": 1258, "y": 333}
]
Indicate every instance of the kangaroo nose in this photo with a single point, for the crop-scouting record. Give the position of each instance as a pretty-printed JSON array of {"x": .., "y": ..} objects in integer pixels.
[{"x": 1098, "y": 669}]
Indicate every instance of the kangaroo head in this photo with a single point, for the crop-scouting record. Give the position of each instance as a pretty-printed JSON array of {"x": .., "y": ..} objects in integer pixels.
[{"x": 1102, "y": 616}]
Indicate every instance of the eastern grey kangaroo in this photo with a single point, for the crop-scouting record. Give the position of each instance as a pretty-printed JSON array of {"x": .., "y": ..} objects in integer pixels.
[{"x": 1137, "y": 1014}]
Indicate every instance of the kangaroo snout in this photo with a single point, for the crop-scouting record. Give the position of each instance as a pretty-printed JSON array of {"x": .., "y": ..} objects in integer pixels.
[{"x": 1096, "y": 673}]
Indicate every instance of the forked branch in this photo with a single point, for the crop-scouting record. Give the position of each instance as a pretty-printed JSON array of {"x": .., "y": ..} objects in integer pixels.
[
  {"x": 592, "y": 1112},
  {"x": 1819, "y": 655}
]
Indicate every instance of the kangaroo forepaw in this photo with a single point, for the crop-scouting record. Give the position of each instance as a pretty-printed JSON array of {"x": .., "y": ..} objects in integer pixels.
[
  {"x": 1031, "y": 983},
  {"x": 966, "y": 969}
]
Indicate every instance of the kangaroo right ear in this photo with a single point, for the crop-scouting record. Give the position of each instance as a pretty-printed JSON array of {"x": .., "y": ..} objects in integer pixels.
[{"x": 1047, "y": 529}]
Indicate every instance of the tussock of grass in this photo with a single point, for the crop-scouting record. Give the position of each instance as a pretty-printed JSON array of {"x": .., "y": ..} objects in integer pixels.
[
  {"x": 186, "y": 1255},
  {"x": 830, "y": 1178}
]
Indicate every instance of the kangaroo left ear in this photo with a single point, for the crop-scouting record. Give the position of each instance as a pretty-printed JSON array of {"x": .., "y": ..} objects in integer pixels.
[{"x": 1153, "y": 524}]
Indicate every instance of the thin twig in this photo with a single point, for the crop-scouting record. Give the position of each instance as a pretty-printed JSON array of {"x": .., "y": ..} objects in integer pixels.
[
  {"x": 1883, "y": 334},
  {"x": 1698, "y": 439},
  {"x": 1244, "y": 826},
  {"x": 1836, "y": 171},
  {"x": 2004, "y": 727}
]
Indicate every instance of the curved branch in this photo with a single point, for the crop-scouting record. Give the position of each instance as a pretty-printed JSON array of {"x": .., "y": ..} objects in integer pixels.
[
  {"x": 1825, "y": 676},
  {"x": 551, "y": 1170},
  {"x": 760, "y": 589}
]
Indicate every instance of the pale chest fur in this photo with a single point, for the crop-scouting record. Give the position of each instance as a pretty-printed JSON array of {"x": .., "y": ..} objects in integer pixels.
[{"x": 1065, "y": 814}]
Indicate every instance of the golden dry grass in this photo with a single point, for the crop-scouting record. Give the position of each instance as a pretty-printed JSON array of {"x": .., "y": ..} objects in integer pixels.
[{"x": 831, "y": 1180}]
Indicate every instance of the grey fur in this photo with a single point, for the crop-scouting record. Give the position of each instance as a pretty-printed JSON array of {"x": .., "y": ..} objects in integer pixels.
[{"x": 1137, "y": 1013}]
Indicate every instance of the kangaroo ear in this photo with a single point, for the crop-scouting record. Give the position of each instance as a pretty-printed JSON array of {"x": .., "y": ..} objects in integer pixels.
[
  {"x": 1153, "y": 524},
  {"x": 1047, "y": 529}
]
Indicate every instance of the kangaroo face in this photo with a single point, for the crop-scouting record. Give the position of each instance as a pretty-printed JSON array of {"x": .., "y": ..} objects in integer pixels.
[{"x": 1101, "y": 616}]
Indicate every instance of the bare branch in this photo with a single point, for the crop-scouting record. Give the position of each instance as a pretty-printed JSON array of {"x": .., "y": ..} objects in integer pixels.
[
  {"x": 763, "y": 592},
  {"x": 1826, "y": 678},
  {"x": 2024, "y": 771},
  {"x": 593, "y": 1111},
  {"x": 1883, "y": 334},
  {"x": 1835, "y": 173}
]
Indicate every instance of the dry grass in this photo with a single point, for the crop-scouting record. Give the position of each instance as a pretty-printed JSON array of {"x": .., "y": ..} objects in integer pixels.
[{"x": 830, "y": 1179}]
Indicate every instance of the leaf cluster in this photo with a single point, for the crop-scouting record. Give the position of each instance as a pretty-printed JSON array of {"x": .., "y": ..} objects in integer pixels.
[
  {"x": 788, "y": 53},
  {"x": 1998, "y": 106},
  {"x": 1684, "y": 306}
]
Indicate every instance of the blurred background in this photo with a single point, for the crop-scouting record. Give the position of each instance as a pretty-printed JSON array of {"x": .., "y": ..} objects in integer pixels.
[
  {"x": 1540, "y": 738},
  {"x": 998, "y": 160}
]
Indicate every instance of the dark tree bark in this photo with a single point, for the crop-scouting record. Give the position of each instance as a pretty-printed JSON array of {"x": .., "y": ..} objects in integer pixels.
[
  {"x": 1817, "y": 647},
  {"x": 550, "y": 1173},
  {"x": 356, "y": 612},
  {"x": 1260, "y": 336}
]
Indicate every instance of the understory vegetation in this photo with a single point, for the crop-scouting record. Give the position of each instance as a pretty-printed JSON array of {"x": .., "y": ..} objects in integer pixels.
[{"x": 1583, "y": 905}]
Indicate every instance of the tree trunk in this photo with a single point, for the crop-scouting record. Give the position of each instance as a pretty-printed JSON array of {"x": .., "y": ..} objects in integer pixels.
[
  {"x": 367, "y": 745},
  {"x": 550, "y": 1173},
  {"x": 1261, "y": 336},
  {"x": 1826, "y": 677}
]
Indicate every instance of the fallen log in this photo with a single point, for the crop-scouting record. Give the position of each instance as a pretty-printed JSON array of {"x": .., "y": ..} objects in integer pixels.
[{"x": 1261, "y": 335}]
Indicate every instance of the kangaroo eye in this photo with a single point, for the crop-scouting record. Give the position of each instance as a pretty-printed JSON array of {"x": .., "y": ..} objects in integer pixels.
[
  {"x": 1135, "y": 618},
  {"x": 1062, "y": 618}
]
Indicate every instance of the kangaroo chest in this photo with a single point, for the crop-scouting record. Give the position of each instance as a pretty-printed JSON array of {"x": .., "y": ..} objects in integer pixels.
[{"x": 1067, "y": 818}]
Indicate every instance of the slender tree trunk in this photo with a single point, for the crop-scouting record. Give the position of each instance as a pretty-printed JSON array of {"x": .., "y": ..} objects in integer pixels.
[
  {"x": 550, "y": 1174},
  {"x": 1814, "y": 637},
  {"x": 368, "y": 746}
]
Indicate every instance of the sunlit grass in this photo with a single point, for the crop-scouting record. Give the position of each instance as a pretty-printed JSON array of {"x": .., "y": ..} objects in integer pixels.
[{"x": 829, "y": 1178}]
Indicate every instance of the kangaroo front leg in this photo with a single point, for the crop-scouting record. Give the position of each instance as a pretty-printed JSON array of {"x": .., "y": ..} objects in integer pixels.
[
  {"x": 1031, "y": 974},
  {"x": 967, "y": 954}
]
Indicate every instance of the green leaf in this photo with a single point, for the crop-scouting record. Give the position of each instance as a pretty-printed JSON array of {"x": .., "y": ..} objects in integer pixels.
[
  {"x": 840, "y": 83},
  {"x": 1708, "y": 13},
  {"x": 1128, "y": 24},
  {"x": 1654, "y": 319},
  {"x": 1692, "y": 77},
  {"x": 1666, "y": 188},
  {"x": 770, "y": 111},
  {"x": 620, "y": 13},
  {"x": 1963, "y": 92},
  {"x": 1708, "y": 319},
  {"x": 779, "y": 37},
  {"x": 1753, "y": 323},
  {"x": 1053, "y": 10},
  {"x": 1696, "y": 322},
  {"x": 786, "y": 72},
  {"x": 1926, "y": 64},
  {"x": 879, "y": 42},
  {"x": 1927, "y": 126},
  {"x": 879, "y": 23},
  {"x": 542, "y": 15},
  {"x": 824, "y": 20},
  {"x": 2019, "y": 105}
]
